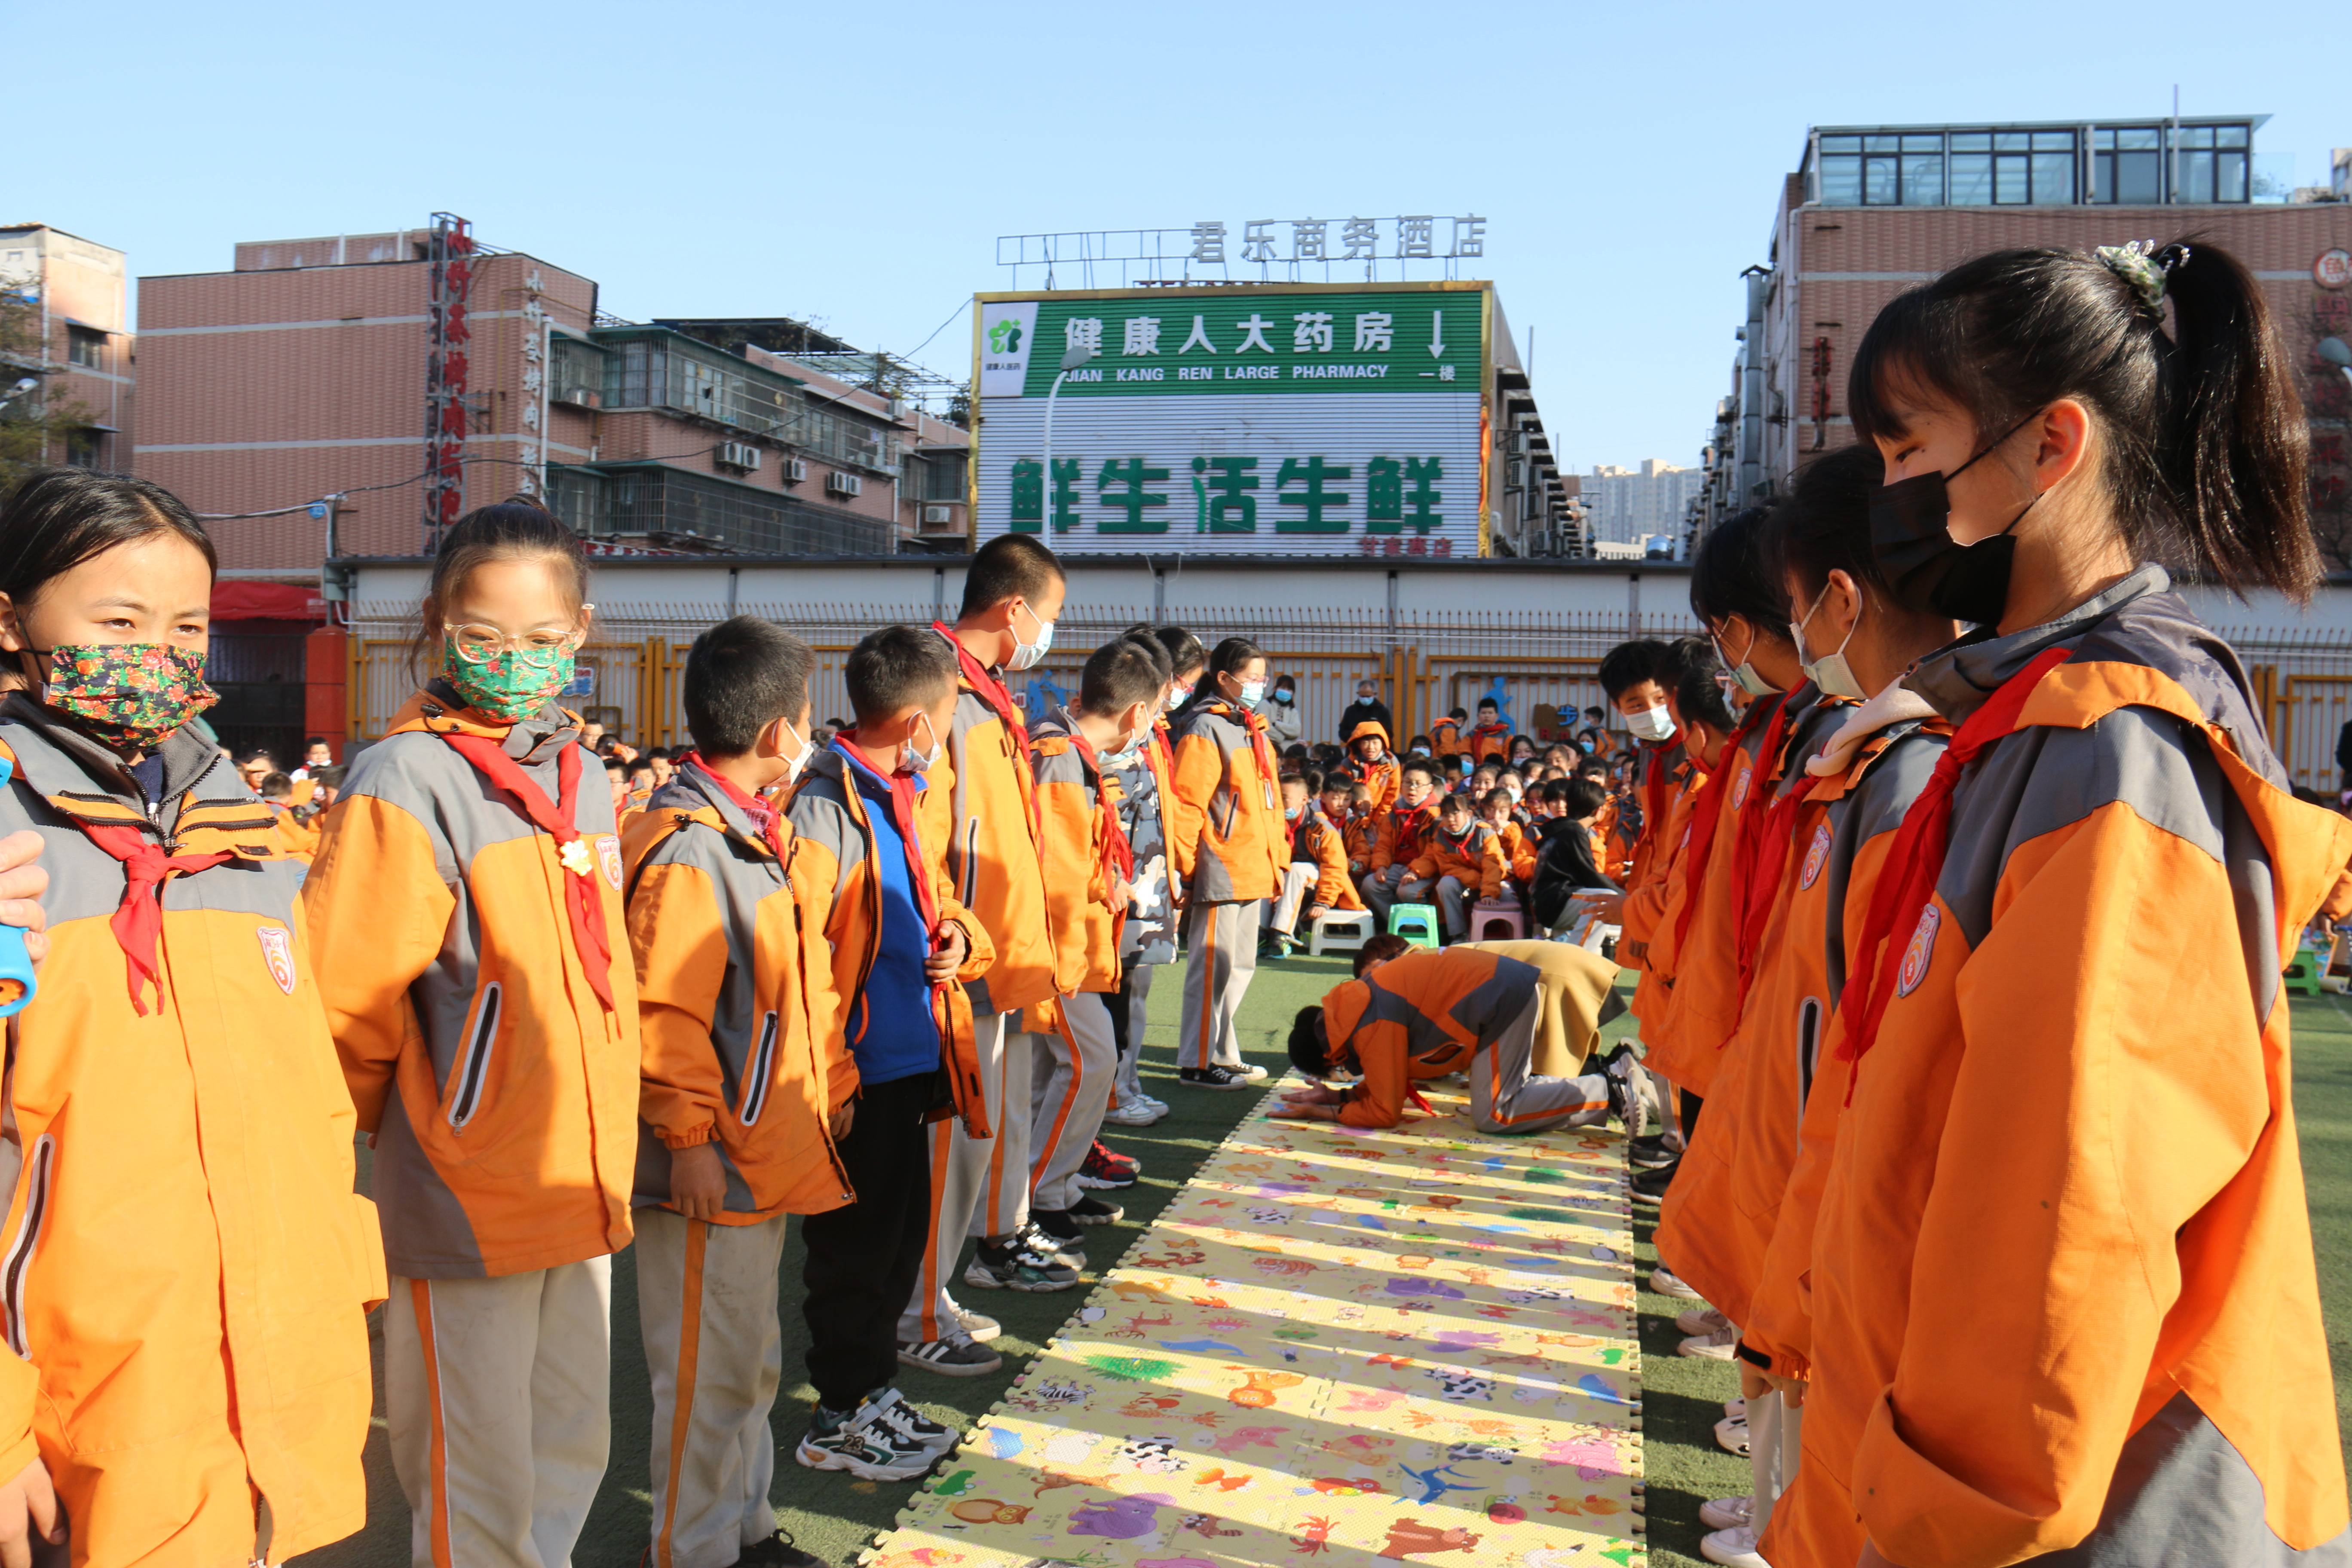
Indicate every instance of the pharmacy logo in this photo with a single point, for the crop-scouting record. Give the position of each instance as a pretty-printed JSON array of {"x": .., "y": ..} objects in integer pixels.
[
  {"x": 1922, "y": 951},
  {"x": 1004, "y": 338}
]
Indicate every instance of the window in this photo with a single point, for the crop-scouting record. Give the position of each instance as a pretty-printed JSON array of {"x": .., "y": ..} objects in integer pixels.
[
  {"x": 943, "y": 476},
  {"x": 84, "y": 447},
  {"x": 1883, "y": 170},
  {"x": 1971, "y": 169},
  {"x": 86, "y": 346},
  {"x": 2210, "y": 163},
  {"x": 1841, "y": 171},
  {"x": 576, "y": 368},
  {"x": 2128, "y": 165}
]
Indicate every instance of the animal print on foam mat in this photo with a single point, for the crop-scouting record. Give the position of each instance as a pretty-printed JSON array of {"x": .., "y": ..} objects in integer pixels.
[{"x": 1335, "y": 1348}]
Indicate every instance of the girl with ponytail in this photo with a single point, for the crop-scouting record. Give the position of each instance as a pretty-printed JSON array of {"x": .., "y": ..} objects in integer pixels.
[{"x": 2063, "y": 1301}]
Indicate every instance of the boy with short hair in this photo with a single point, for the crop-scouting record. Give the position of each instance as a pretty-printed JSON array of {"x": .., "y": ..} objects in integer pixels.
[
  {"x": 1316, "y": 878},
  {"x": 1360, "y": 824},
  {"x": 981, "y": 814},
  {"x": 744, "y": 1090},
  {"x": 902, "y": 945},
  {"x": 1445, "y": 735},
  {"x": 1491, "y": 741},
  {"x": 293, "y": 828},
  {"x": 1405, "y": 829},
  {"x": 1565, "y": 852},
  {"x": 1460, "y": 864},
  {"x": 1091, "y": 868}
]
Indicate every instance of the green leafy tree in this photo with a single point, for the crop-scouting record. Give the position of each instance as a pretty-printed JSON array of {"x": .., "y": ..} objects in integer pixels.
[{"x": 34, "y": 424}]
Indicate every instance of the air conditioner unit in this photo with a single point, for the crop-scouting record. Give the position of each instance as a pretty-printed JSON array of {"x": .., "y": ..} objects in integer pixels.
[
  {"x": 941, "y": 519},
  {"x": 579, "y": 396},
  {"x": 795, "y": 470},
  {"x": 842, "y": 484},
  {"x": 739, "y": 454}
]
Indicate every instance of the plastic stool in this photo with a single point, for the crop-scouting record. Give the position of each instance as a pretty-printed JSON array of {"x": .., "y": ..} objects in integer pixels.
[
  {"x": 1355, "y": 929},
  {"x": 1505, "y": 912},
  {"x": 2302, "y": 973},
  {"x": 1421, "y": 920}
]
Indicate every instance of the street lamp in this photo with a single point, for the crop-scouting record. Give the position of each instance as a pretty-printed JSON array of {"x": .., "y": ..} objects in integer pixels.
[{"x": 1072, "y": 358}]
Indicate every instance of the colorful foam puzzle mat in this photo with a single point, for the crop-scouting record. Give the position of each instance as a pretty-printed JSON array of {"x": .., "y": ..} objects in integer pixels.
[{"x": 1334, "y": 1347}]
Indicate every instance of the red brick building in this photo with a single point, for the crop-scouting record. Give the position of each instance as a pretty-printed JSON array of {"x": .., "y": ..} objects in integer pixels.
[{"x": 1874, "y": 210}]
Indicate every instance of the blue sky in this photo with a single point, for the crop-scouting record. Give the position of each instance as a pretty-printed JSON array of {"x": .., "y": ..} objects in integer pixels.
[{"x": 853, "y": 164}]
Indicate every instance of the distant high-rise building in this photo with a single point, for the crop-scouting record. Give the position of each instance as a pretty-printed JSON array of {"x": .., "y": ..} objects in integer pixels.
[{"x": 1624, "y": 505}]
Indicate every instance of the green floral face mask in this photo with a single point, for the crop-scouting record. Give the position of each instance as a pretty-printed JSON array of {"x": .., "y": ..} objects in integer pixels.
[{"x": 507, "y": 685}]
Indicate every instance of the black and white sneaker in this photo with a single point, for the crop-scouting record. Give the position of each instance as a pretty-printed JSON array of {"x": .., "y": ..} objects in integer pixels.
[
  {"x": 1214, "y": 1077},
  {"x": 978, "y": 1325},
  {"x": 1650, "y": 1186},
  {"x": 905, "y": 1418},
  {"x": 1015, "y": 1263},
  {"x": 1092, "y": 1210},
  {"x": 1626, "y": 1101},
  {"x": 1062, "y": 1229},
  {"x": 865, "y": 1443},
  {"x": 957, "y": 1355},
  {"x": 778, "y": 1551}
]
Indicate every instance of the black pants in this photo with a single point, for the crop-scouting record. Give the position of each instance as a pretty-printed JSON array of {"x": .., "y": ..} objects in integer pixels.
[
  {"x": 1122, "y": 1008},
  {"x": 863, "y": 1259}
]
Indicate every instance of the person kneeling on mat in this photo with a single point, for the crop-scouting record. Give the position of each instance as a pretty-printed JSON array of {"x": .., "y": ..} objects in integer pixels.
[{"x": 1520, "y": 1017}]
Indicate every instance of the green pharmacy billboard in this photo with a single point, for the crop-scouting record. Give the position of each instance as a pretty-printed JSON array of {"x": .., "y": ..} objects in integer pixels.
[{"x": 1263, "y": 420}]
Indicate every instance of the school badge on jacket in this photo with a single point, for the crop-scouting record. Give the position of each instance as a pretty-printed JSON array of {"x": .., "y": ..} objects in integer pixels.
[
  {"x": 1916, "y": 956},
  {"x": 277, "y": 953},
  {"x": 608, "y": 858},
  {"x": 1815, "y": 858}
]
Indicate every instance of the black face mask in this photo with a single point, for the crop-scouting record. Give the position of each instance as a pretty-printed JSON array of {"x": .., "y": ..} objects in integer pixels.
[{"x": 1926, "y": 570}]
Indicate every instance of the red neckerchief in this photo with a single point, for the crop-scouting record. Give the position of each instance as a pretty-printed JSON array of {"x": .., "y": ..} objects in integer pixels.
[
  {"x": 903, "y": 796},
  {"x": 766, "y": 820},
  {"x": 1426, "y": 816},
  {"x": 1707, "y": 811},
  {"x": 1770, "y": 869},
  {"x": 1653, "y": 792},
  {"x": 555, "y": 819},
  {"x": 138, "y": 920},
  {"x": 1268, "y": 769},
  {"x": 1917, "y": 860},
  {"x": 990, "y": 690},
  {"x": 1751, "y": 822},
  {"x": 1118, "y": 855}
]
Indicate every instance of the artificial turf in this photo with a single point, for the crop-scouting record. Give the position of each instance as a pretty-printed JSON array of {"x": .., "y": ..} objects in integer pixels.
[{"x": 828, "y": 1512}]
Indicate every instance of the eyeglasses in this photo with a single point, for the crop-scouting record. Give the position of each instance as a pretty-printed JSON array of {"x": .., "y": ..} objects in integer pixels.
[{"x": 537, "y": 648}]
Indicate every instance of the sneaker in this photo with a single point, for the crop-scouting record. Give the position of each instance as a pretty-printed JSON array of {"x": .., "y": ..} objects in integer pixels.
[
  {"x": 1731, "y": 1434},
  {"x": 1013, "y": 1265},
  {"x": 1667, "y": 1283},
  {"x": 957, "y": 1355},
  {"x": 1735, "y": 1548},
  {"x": 1091, "y": 1210},
  {"x": 1726, "y": 1512},
  {"x": 905, "y": 1418},
  {"x": 1219, "y": 1077},
  {"x": 1071, "y": 1255},
  {"x": 1714, "y": 1346},
  {"x": 1650, "y": 1186},
  {"x": 1251, "y": 1071},
  {"x": 1106, "y": 1169},
  {"x": 978, "y": 1325},
  {"x": 1702, "y": 1321},
  {"x": 1063, "y": 1230},
  {"x": 863, "y": 1443},
  {"x": 1132, "y": 1114},
  {"x": 1735, "y": 1407},
  {"x": 1649, "y": 1153},
  {"x": 1626, "y": 1102},
  {"x": 1161, "y": 1106},
  {"x": 777, "y": 1552}
]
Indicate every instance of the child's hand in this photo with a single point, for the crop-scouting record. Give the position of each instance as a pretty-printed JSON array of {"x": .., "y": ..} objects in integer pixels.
[
  {"x": 1316, "y": 1094},
  {"x": 22, "y": 883},
  {"x": 1609, "y": 907},
  {"x": 698, "y": 1184},
  {"x": 948, "y": 955},
  {"x": 1296, "y": 1110},
  {"x": 1316, "y": 911},
  {"x": 27, "y": 1504},
  {"x": 842, "y": 1120}
]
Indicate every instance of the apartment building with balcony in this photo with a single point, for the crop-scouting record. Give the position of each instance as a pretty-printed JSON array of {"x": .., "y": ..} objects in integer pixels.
[{"x": 68, "y": 305}]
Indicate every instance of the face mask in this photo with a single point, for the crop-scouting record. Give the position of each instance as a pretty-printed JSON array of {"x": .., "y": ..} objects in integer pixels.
[
  {"x": 1744, "y": 672},
  {"x": 915, "y": 762},
  {"x": 1926, "y": 571},
  {"x": 1252, "y": 693},
  {"x": 1652, "y": 724},
  {"x": 504, "y": 686},
  {"x": 1282, "y": 694},
  {"x": 1420, "y": 750},
  {"x": 1291, "y": 814},
  {"x": 800, "y": 761},
  {"x": 1029, "y": 654},
  {"x": 1832, "y": 673},
  {"x": 127, "y": 695},
  {"x": 1180, "y": 695}
]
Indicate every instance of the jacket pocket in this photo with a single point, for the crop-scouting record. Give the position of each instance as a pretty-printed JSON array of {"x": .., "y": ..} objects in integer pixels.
[
  {"x": 40, "y": 1171},
  {"x": 471, "y": 1073},
  {"x": 754, "y": 1098}
]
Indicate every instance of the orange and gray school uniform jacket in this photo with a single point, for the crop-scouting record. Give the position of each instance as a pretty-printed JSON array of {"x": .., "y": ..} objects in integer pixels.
[
  {"x": 1727, "y": 1198},
  {"x": 1488, "y": 743},
  {"x": 1642, "y": 924},
  {"x": 1320, "y": 844},
  {"x": 736, "y": 1005},
  {"x": 1086, "y": 855},
  {"x": 1519, "y": 847},
  {"x": 1381, "y": 777},
  {"x": 500, "y": 1092},
  {"x": 189, "y": 1271},
  {"x": 2063, "y": 1295},
  {"x": 1475, "y": 860},
  {"x": 1224, "y": 812},
  {"x": 1444, "y": 739},
  {"x": 1661, "y": 769},
  {"x": 1358, "y": 834},
  {"x": 1429, "y": 1013},
  {"x": 1403, "y": 835},
  {"x": 832, "y": 841},
  {"x": 979, "y": 816}
]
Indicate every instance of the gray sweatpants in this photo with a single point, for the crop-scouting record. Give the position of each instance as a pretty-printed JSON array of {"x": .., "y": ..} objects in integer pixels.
[
  {"x": 1506, "y": 1096},
  {"x": 715, "y": 1350},
  {"x": 496, "y": 1399},
  {"x": 1298, "y": 879},
  {"x": 1379, "y": 890},
  {"x": 980, "y": 1186},
  {"x": 1221, "y": 941},
  {"x": 1071, "y": 1073},
  {"x": 1774, "y": 1431},
  {"x": 1452, "y": 896}
]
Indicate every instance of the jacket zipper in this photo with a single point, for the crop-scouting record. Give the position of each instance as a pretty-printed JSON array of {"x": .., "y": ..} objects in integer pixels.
[
  {"x": 1809, "y": 1047},
  {"x": 28, "y": 1237},
  {"x": 475, "y": 1066},
  {"x": 754, "y": 1097}
]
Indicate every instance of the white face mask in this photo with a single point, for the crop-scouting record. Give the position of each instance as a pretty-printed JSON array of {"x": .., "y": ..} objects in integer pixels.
[
  {"x": 1744, "y": 672},
  {"x": 1029, "y": 654},
  {"x": 915, "y": 762},
  {"x": 800, "y": 761},
  {"x": 1833, "y": 674},
  {"x": 1653, "y": 723}
]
